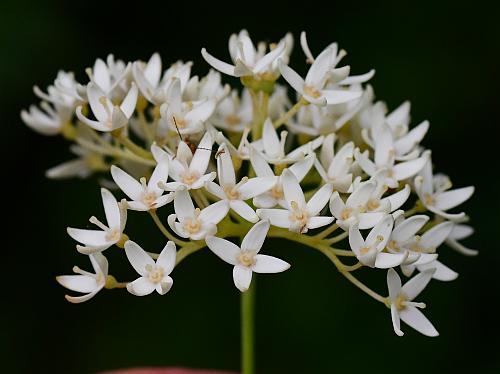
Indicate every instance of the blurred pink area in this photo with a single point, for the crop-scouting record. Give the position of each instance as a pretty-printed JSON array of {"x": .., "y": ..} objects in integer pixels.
[{"x": 166, "y": 371}]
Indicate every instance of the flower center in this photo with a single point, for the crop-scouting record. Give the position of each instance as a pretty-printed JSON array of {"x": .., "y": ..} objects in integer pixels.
[
  {"x": 155, "y": 273},
  {"x": 277, "y": 192},
  {"x": 189, "y": 177},
  {"x": 400, "y": 301},
  {"x": 231, "y": 192},
  {"x": 232, "y": 120},
  {"x": 346, "y": 214},
  {"x": 149, "y": 198},
  {"x": 179, "y": 122},
  {"x": 364, "y": 250},
  {"x": 113, "y": 235},
  {"x": 429, "y": 199},
  {"x": 393, "y": 245},
  {"x": 246, "y": 258},
  {"x": 372, "y": 204},
  {"x": 193, "y": 225},
  {"x": 311, "y": 91},
  {"x": 299, "y": 215}
]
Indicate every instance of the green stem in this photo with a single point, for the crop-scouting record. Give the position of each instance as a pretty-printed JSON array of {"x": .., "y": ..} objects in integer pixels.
[
  {"x": 247, "y": 330},
  {"x": 294, "y": 109}
]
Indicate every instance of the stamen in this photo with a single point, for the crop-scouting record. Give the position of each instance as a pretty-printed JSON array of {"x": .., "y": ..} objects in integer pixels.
[{"x": 98, "y": 223}]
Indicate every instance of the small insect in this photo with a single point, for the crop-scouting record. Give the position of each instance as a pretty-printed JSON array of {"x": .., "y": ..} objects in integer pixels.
[{"x": 193, "y": 147}]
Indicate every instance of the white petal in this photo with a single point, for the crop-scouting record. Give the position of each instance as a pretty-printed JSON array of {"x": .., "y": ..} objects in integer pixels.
[
  {"x": 272, "y": 145},
  {"x": 269, "y": 58},
  {"x": 315, "y": 222},
  {"x": 292, "y": 189},
  {"x": 160, "y": 174},
  {"x": 277, "y": 217},
  {"x": 390, "y": 260},
  {"x": 242, "y": 277},
  {"x": 409, "y": 141},
  {"x": 361, "y": 195},
  {"x": 291, "y": 77},
  {"x": 395, "y": 320},
  {"x": 223, "y": 248},
  {"x": 266, "y": 200},
  {"x": 152, "y": 71},
  {"x": 201, "y": 156},
  {"x": 203, "y": 180},
  {"x": 259, "y": 164},
  {"x": 94, "y": 95},
  {"x": 434, "y": 237},
  {"x": 442, "y": 273},
  {"x": 408, "y": 169},
  {"x": 254, "y": 239},
  {"x": 381, "y": 233},
  {"x": 317, "y": 73},
  {"x": 183, "y": 205},
  {"x": 140, "y": 287},
  {"x": 301, "y": 168},
  {"x": 217, "y": 64},
  {"x": 334, "y": 97},
  {"x": 91, "y": 238},
  {"x": 167, "y": 256},
  {"x": 409, "y": 227},
  {"x": 214, "y": 213},
  {"x": 243, "y": 210},
  {"x": 127, "y": 183},
  {"x": 269, "y": 264},
  {"x": 399, "y": 198},
  {"x": 416, "y": 319},
  {"x": 111, "y": 209},
  {"x": 165, "y": 285},
  {"x": 319, "y": 200},
  {"x": 355, "y": 79},
  {"x": 215, "y": 190},
  {"x": 393, "y": 284},
  {"x": 129, "y": 102},
  {"x": 225, "y": 168},
  {"x": 416, "y": 285},
  {"x": 256, "y": 186},
  {"x": 369, "y": 220},
  {"x": 137, "y": 257},
  {"x": 78, "y": 283},
  {"x": 450, "y": 199},
  {"x": 356, "y": 241},
  {"x": 337, "y": 205}
]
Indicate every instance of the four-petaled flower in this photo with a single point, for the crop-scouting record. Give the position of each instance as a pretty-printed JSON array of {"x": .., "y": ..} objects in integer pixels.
[
  {"x": 153, "y": 275},
  {"x": 247, "y": 259}
]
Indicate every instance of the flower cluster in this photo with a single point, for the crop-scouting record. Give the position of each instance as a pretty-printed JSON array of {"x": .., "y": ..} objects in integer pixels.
[{"x": 322, "y": 164}]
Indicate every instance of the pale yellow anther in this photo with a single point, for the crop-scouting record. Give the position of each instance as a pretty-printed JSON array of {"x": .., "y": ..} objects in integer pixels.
[
  {"x": 247, "y": 258},
  {"x": 311, "y": 91},
  {"x": 429, "y": 199},
  {"x": 232, "y": 120},
  {"x": 380, "y": 238},
  {"x": 277, "y": 192},
  {"x": 113, "y": 235},
  {"x": 231, "y": 192},
  {"x": 180, "y": 122},
  {"x": 372, "y": 204},
  {"x": 190, "y": 177},
  {"x": 149, "y": 198},
  {"x": 364, "y": 250},
  {"x": 345, "y": 214},
  {"x": 393, "y": 246}
]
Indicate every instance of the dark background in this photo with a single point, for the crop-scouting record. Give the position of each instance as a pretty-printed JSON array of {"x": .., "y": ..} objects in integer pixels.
[{"x": 440, "y": 55}]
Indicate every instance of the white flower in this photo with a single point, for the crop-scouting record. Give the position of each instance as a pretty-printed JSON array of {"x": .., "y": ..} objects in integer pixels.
[
  {"x": 188, "y": 169},
  {"x": 340, "y": 75},
  {"x": 209, "y": 87},
  {"x": 428, "y": 243},
  {"x": 109, "y": 116},
  {"x": 247, "y": 258},
  {"x": 333, "y": 167},
  {"x": 402, "y": 304},
  {"x": 110, "y": 77},
  {"x": 236, "y": 193},
  {"x": 145, "y": 196},
  {"x": 196, "y": 224},
  {"x": 353, "y": 210},
  {"x": 81, "y": 167},
  {"x": 243, "y": 150},
  {"x": 48, "y": 120},
  {"x": 299, "y": 215},
  {"x": 369, "y": 250},
  {"x": 312, "y": 88},
  {"x": 272, "y": 147},
  {"x": 403, "y": 240},
  {"x": 153, "y": 275},
  {"x": 460, "y": 232},
  {"x": 234, "y": 113},
  {"x": 64, "y": 92},
  {"x": 85, "y": 282},
  {"x": 434, "y": 195},
  {"x": 184, "y": 118},
  {"x": 384, "y": 167},
  {"x": 247, "y": 61},
  {"x": 275, "y": 195},
  {"x": 99, "y": 240}
]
